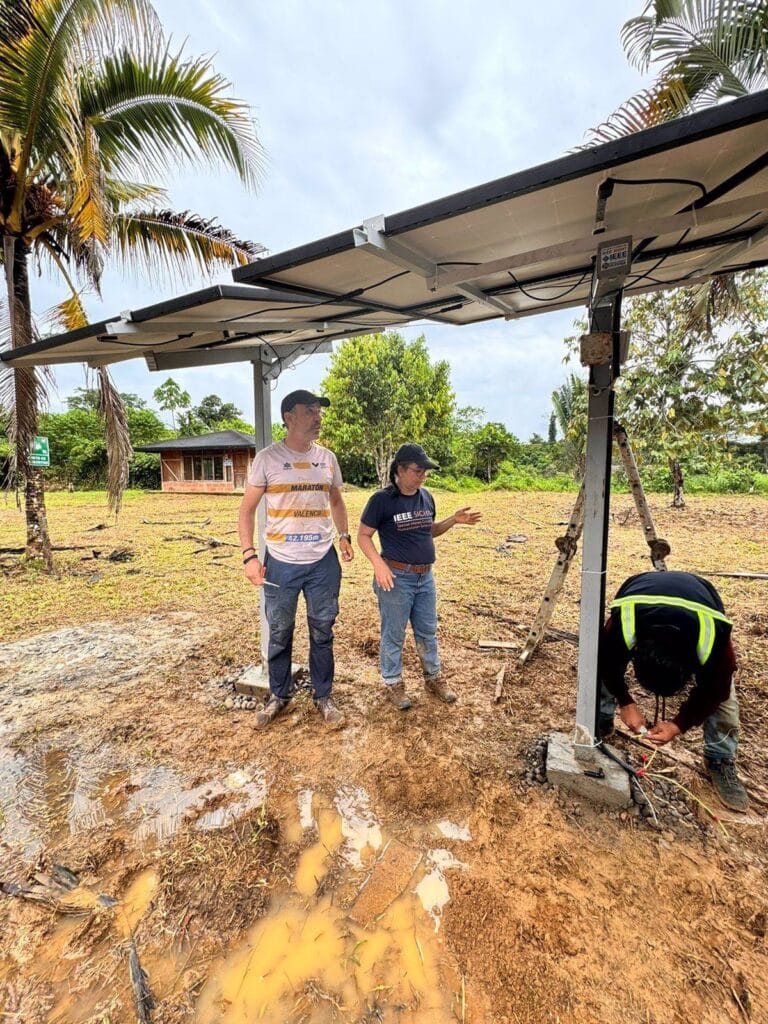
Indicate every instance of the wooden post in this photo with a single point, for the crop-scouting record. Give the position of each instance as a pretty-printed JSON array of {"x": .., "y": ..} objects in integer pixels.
[{"x": 659, "y": 548}]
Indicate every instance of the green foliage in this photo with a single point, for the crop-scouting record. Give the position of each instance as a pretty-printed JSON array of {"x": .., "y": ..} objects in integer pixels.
[
  {"x": 212, "y": 412},
  {"x": 492, "y": 443},
  {"x": 516, "y": 478},
  {"x": 144, "y": 471},
  {"x": 384, "y": 391},
  {"x": 170, "y": 397},
  {"x": 79, "y": 450},
  {"x": 570, "y": 412},
  {"x": 279, "y": 431}
]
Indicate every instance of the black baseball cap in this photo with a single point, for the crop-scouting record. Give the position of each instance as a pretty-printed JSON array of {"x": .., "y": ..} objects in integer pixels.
[
  {"x": 301, "y": 397},
  {"x": 414, "y": 453}
]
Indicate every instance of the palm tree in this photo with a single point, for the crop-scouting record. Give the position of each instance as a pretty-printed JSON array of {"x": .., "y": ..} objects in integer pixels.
[
  {"x": 705, "y": 50},
  {"x": 569, "y": 403},
  {"x": 93, "y": 107}
]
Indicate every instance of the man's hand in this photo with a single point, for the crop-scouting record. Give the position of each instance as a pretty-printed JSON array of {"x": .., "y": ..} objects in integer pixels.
[
  {"x": 383, "y": 574},
  {"x": 662, "y": 733},
  {"x": 631, "y": 717},
  {"x": 346, "y": 549},
  {"x": 255, "y": 572},
  {"x": 466, "y": 517}
]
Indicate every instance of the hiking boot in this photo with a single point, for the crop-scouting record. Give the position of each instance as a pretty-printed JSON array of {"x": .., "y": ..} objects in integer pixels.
[
  {"x": 270, "y": 711},
  {"x": 438, "y": 687},
  {"x": 729, "y": 789},
  {"x": 331, "y": 714},
  {"x": 396, "y": 695}
]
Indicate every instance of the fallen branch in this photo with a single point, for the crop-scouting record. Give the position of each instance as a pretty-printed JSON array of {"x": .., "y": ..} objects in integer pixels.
[
  {"x": 207, "y": 542},
  {"x": 175, "y": 522},
  {"x": 500, "y": 677}
]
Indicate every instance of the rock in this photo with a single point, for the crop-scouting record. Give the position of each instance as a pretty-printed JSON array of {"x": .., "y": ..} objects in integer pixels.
[{"x": 229, "y": 703}]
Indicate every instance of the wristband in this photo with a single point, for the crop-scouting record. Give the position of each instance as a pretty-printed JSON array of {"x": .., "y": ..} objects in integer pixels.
[
  {"x": 250, "y": 558},
  {"x": 346, "y": 536},
  {"x": 246, "y": 550}
]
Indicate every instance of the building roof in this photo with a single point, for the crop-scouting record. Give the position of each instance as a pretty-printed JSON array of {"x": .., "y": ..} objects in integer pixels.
[{"x": 201, "y": 442}]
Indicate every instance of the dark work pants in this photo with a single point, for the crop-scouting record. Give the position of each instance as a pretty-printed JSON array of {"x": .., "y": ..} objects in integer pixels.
[{"x": 319, "y": 582}]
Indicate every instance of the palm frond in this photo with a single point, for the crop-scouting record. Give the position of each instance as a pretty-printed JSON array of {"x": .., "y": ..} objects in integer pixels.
[
  {"x": 120, "y": 192},
  {"x": 173, "y": 243},
  {"x": 60, "y": 39},
  {"x": 153, "y": 109},
  {"x": 646, "y": 109},
  {"x": 67, "y": 315},
  {"x": 119, "y": 450}
]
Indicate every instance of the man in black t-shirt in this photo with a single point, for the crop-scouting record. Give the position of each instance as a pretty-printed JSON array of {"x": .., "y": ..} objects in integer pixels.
[{"x": 404, "y": 516}]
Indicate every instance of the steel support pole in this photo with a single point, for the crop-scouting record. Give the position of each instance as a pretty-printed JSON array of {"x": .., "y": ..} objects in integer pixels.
[
  {"x": 262, "y": 407},
  {"x": 605, "y": 316}
]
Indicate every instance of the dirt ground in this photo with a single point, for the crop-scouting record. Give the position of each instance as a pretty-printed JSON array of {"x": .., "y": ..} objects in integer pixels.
[{"x": 411, "y": 867}]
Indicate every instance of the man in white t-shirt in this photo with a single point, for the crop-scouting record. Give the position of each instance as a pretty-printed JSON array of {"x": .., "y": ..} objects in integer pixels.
[{"x": 302, "y": 484}]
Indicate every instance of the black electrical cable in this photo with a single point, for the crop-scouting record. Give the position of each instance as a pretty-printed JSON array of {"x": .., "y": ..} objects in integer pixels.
[
  {"x": 549, "y": 298},
  {"x": 646, "y": 276},
  {"x": 660, "y": 181}
]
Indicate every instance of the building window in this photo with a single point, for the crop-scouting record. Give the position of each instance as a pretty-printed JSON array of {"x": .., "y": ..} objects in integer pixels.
[{"x": 203, "y": 467}]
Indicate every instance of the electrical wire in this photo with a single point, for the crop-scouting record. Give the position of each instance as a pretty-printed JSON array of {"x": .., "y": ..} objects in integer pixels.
[
  {"x": 549, "y": 298},
  {"x": 660, "y": 181}
]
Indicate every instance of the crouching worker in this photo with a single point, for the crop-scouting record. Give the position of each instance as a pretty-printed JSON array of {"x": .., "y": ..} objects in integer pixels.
[
  {"x": 672, "y": 626},
  {"x": 404, "y": 515}
]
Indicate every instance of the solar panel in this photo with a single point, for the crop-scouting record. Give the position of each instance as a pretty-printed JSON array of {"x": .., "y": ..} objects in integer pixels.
[{"x": 691, "y": 194}]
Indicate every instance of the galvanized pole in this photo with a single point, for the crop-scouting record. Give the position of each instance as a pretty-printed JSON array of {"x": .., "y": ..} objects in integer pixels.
[{"x": 262, "y": 405}]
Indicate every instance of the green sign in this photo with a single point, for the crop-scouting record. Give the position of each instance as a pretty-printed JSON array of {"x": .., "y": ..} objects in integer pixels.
[{"x": 40, "y": 455}]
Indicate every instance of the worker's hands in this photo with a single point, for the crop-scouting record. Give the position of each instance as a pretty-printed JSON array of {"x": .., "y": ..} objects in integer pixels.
[
  {"x": 255, "y": 572},
  {"x": 662, "y": 733},
  {"x": 383, "y": 574},
  {"x": 466, "y": 517},
  {"x": 631, "y": 717},
  {"x": 345, "y": 547}
]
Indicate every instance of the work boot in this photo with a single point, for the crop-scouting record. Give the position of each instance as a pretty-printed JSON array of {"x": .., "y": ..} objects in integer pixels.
[
  {"x": 331, "y": 714},
  {"x": 270, "y": 711},
  {"x": 438, "y": 687},
  {"x": 727, "y": 785},
  {"x": 396, "y": 695}
]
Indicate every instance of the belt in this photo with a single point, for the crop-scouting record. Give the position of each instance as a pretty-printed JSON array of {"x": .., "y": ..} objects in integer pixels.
[{"x": 407, "y": 566}]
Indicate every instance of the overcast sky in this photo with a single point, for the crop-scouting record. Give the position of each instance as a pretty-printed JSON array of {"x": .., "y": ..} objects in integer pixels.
[{"x": 367, "y": 108}]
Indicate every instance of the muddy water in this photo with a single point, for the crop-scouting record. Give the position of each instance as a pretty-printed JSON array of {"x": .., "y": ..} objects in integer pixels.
[
  {"x": 375, "y": 955},
  {"x": 353, "y": 935}
]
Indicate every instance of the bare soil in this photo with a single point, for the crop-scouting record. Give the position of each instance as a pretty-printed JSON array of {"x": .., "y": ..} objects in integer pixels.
[{"x": 115, "y": 741}]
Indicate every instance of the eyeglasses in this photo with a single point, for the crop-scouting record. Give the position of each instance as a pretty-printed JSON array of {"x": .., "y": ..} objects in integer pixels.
[{"x": 418, "y": 470}]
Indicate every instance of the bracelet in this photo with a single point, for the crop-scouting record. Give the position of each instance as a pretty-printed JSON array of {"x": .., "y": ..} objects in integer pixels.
[
  {"x": 246, "y": 550},
  {"x": 346, "y": 536},
  {"x": 250, "y": 558}
]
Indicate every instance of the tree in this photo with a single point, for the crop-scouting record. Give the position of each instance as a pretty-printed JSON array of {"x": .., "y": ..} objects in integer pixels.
[
  {"x": 705, "y": 51},
  {"x": 170, "y": 397},
  {"x": 689, "y": 385},
  {"x": 384, "y": 391},
  {"x": 466, "y": 421},
  {"x": 212, "y": 412},
  {"x": 93, "y": 106},
  {"x": 492, "y": 444},
  {"x": 570, "y": 410},
  {"x": 552, "y": 430}
]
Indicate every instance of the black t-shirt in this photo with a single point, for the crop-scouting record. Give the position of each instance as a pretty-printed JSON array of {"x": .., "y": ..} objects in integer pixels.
[{"x": 404, "y": 523}]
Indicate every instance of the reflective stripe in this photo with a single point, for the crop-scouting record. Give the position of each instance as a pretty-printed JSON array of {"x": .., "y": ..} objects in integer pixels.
[
  {"x": 706, "y": 637},
  {"x": 706, "y": 616},
  {"x": 628, "y": 625}
]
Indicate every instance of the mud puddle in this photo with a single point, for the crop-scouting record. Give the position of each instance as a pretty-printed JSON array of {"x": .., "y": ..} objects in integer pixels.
[
  {"x": 351, "y": 933},
  {"x": 355, "y": 937}
]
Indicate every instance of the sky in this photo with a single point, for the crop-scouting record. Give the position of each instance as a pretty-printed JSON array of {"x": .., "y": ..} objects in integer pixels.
[{"x": 367, "y": 108}]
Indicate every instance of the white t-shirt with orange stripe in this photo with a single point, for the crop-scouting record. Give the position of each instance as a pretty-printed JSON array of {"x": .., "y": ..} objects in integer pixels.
[{"x": 298, "y": 484}]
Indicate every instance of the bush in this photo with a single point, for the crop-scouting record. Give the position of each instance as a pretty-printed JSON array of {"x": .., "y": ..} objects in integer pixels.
[
  {"x": 520, "y": 478},
  {"x": 447, "y": 482},
  {"x": 144, "y": 471}
]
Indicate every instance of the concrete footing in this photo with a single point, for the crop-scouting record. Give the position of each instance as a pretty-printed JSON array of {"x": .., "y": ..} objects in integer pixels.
[
  {"x": 254, "y": 681},
  {"x": 606, "y": 783}
]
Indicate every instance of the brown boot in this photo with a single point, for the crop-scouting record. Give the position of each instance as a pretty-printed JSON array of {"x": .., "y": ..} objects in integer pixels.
[
  {"x": 331, "y": 714},
  {"x": 396, "y": 695},
  {"x": 270, "y": 711},
  {"x": 438, "y": 687}
]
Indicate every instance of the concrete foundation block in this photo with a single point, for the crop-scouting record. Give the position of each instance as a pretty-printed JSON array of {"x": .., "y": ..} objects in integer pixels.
[
  {"x": 563, "y": 770},
  {"x": 254, "y": 681}
]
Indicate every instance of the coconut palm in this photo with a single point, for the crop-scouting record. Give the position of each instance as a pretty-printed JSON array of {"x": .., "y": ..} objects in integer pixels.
[
  {"x": 705, "y": 50},
  {"x": 94, "y": 108},
  {"x": 569, "y": 403}
]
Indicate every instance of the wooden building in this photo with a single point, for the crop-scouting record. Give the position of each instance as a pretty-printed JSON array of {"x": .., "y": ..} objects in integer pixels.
[{"x": 215, "y": 463}]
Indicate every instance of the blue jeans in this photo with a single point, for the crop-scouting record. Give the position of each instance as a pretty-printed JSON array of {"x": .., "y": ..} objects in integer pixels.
[
  {"x": 721, "y": 729},
  {"x": 319, "y": 582},
  {"x": 412, "y": 599}
]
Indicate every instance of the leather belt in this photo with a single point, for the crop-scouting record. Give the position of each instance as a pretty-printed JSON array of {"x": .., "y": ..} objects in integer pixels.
[{"x": 407, "y": 566}]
